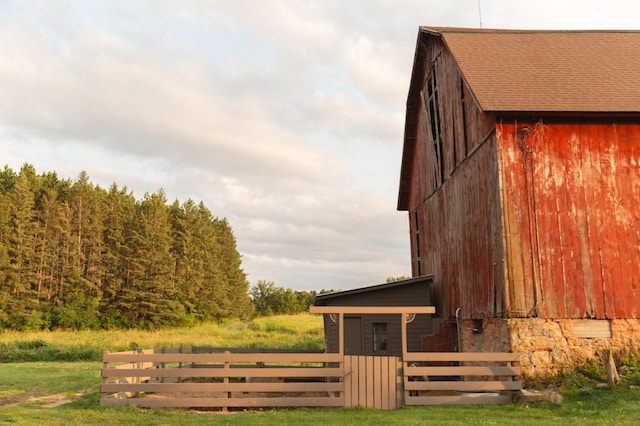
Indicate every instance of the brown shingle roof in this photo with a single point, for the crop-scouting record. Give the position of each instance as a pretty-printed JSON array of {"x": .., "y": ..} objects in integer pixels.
[{"x": 572, "y": 71}]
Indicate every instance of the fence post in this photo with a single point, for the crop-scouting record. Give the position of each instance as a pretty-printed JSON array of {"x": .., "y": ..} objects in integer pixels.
[
  {"x": 162, "y": 364},
  {"x": 225, "y": 379},
  {"x": 105, "y": 365}
]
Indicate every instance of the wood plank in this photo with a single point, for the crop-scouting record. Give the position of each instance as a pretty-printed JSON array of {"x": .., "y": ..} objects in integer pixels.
[
  {"x": 492, "y": 385},
  {"x": 399, "y": 382},
  {"x": 362, "y": 381},
  {"x": 457, "y": 399},
  {"x": 462, "y": 371},
  {"x": 372, "y": 309},
  {"x": 376, "y": 382},
  {"x": 348, "y": 381},
  {"x": 463, "y": 356},
  {"x": 385, "y": 386},
  {"x": 370, "y": 382},
  {"x": 227, "y": 402},
  {"x": 221, "y": 357},
  {"x": 222, "y": 387},
  {"x": 221, "y": 372}
]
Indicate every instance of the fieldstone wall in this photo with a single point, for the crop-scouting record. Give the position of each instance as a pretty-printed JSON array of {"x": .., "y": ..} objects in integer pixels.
[
  {"x": 485, "y": 335},
  {"x": 550, "y": 348}
]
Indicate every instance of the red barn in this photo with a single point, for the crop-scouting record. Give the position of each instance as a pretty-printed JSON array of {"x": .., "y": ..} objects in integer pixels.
[{"x": 521, "y": 177}]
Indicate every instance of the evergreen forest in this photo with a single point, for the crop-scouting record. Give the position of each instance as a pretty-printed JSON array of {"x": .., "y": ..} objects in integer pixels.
[{"x": 75, "y": 256}]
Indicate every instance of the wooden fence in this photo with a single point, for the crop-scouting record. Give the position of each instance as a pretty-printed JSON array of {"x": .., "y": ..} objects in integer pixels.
[
  {"x": 200, "y": 377},
  {"x": 433, "y": 378},
  {"x": 188, "y": 379}
]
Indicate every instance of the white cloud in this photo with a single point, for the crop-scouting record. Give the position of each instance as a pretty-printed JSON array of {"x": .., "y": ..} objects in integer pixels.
[{"x": 285, "y": 117}]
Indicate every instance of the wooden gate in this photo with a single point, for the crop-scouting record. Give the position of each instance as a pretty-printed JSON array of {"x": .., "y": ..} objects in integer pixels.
[{"x": 373, "y": 382}]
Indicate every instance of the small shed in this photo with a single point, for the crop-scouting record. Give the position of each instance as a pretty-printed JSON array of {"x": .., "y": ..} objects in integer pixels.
[{"x": 369, "y": 333}]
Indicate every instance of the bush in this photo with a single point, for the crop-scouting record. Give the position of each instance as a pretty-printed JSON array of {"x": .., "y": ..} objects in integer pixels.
[{"x": 39, "y": 350}]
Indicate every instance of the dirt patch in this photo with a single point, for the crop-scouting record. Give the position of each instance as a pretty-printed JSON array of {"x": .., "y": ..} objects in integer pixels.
[
  {"x": 50, "y": 401},
  {"x": 17, "y": 398}
]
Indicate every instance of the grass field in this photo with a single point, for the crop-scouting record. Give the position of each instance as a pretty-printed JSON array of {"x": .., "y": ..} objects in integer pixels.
[
  {"x": 67, "y": 393},
  {"x": 302, "y": 331}
]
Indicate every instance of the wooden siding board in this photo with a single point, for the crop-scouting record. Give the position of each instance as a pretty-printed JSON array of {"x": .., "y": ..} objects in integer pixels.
[
  {"x": 555, "y": 234},
  {"x": 578, "y": 265},
  {"x": 580, "y": 149},
  {"x": 610, "y": 248},
  {"x": 627, "y": 214},
  {"x": 589, "y": 145},
  {"x": 515, "y": 219}
]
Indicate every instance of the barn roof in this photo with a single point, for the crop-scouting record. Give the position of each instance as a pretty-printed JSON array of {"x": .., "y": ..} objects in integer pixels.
[{"x": 550, "y": 71}]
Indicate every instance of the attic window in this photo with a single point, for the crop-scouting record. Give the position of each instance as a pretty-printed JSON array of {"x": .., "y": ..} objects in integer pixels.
[{"x": 433, "y": 104}]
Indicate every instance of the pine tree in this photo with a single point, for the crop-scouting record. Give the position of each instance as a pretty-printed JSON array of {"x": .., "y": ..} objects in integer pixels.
[
  {"x": 22, "y": 303},
  {"x": 119, "y": 216},
  {"x": 236, "y": 285},
  {"x": 148, "y": 296}
]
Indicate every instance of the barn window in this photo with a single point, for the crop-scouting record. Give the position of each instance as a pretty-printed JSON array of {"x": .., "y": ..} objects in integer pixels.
[
  {"x": 380, "y": 338},
  {"x": 433, "y": 104},
  {"x": 417, "y": 234}
]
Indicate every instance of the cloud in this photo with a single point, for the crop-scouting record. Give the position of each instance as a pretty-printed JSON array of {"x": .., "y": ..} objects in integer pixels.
[{"x": 285, "y": 117}]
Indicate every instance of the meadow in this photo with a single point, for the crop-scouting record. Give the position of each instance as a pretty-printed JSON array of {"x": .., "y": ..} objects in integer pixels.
[{"x": 52, "y": 378}]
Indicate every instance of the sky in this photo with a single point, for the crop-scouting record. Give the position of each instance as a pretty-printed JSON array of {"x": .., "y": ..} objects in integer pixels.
[{"x": 284, "y": 116}]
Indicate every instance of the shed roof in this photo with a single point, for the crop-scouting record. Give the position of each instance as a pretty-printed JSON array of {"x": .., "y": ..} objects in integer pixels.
[
  {"x": 550, "y": 71},
  {"x": 324, "y": 299}
]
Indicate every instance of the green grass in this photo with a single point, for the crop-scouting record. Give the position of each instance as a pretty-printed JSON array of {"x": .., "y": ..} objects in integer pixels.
[
  {"x": 28, "y": 384},
  {"x": 614, "y": 407},
  {"x": 302, "y": 331}
]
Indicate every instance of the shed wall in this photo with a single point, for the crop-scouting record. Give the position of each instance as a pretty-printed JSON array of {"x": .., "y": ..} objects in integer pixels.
[
  {"x": 419, "y": 327},
  {"x": 416, "y": 294}
]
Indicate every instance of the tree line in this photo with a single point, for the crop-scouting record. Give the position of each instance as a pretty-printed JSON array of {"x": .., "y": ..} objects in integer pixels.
[
  {"x": 268, "y": 299},
  {"x": 74, "y": 255}
]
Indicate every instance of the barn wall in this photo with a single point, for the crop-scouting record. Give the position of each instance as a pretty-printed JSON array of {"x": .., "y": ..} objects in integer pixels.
[
  {"x": 454, "y": 208},
  {"x": 571, "y": 201}
]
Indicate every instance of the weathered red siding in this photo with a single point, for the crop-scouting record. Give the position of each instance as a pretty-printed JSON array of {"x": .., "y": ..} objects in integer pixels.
[
  {"x": 571, "y": 206},
  {"x": 455, "y": 214}
]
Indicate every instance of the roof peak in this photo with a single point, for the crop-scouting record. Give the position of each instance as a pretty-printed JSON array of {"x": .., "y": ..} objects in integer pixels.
[{"x": 443, "y": 30}]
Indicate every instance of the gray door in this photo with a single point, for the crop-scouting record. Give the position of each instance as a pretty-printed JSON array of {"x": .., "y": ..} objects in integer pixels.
[{"x": 353, "y": 336}]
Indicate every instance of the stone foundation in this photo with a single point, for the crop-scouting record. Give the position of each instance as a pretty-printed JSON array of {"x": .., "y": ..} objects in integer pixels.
[
  {"x": 484, "y": 335},
  {"x": 550, "y": 347}
]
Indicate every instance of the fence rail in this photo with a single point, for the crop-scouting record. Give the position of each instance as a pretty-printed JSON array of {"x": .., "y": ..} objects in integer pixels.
[{"x": 433, "y": 378}]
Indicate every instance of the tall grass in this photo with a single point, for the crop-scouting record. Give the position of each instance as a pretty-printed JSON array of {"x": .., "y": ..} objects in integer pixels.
[{"x": 303, "y": 331}]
